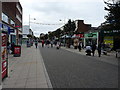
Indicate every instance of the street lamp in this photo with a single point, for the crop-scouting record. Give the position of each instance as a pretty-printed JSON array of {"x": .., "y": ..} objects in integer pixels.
[
  {"x": 29, "y": 20},
  {"x": 63, "y": 30}
]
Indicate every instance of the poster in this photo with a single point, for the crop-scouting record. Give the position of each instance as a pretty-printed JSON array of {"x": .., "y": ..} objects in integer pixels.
[
  {"x": 108, "y": 40},
  {"x": 4, "y": 54}
]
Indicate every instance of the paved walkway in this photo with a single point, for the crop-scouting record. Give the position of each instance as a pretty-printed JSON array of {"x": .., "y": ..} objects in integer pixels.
[
  {"x": 109, "y": 58},
  {"x": 27, "y": 71}
]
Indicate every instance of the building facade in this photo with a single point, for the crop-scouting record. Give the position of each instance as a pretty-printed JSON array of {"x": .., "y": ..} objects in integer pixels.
[{"x": 12, "y": 20}]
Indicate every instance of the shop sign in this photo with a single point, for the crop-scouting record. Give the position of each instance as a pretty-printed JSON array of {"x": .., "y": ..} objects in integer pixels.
[
  {"x": 5, "y": 27},
  {"x": 79, "y": 35},
  {"x": 109, "y": 41},
  {"x": 91, "y": 35},
  {"x": 111, "y": 31}
]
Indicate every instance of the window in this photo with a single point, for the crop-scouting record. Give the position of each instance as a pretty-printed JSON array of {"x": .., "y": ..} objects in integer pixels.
[
  {"x": 4, "y": 18},
  {"x": 17, "y": 16},
  {"x": 12, "y": 22},
  {"x": 18, "y": 7}
]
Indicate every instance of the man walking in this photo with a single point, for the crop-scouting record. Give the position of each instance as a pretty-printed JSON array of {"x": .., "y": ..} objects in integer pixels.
[
  {"x": 93, "y": 49},
  {"x": 99, "y": 49},
  {"x": 42, "y": 43},
  {"x": 36, "y": 43}
]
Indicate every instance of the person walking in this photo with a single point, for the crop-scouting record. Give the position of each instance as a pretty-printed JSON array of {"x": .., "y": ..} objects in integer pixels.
[
  {"x": 93, "y": 49},
  {"x": 12, "y": 47},
  {"x": 99, "y": 49},
  {"x": 51, "y": 44},
  {"x": 48, "y": 42},
  {"x": 36, "y": 43},
  {"x": 79, "y": 46},
  {"x": 42, "y": 43}
]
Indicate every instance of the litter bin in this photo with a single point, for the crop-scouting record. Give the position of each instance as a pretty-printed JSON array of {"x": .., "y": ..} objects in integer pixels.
[{"x": 17, "y": 51}]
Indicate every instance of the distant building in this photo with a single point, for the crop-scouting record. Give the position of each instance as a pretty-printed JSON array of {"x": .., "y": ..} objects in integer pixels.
[
  {"x": 81, "y": 27},
  {"x": 26, "y": 31}
]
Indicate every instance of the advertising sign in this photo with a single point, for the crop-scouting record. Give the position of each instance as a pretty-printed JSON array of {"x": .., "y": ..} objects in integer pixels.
[
  {"x": 4, "y": 54},
  {"x": 109, "y": 41},
  {"x": 17, "y": 51},
  {"x": 79, "y": 35},
  {"x": 93, "y": 35}
]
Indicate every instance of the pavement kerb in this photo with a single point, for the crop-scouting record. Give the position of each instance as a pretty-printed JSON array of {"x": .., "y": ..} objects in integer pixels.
[{"x": 45, "y": 71}]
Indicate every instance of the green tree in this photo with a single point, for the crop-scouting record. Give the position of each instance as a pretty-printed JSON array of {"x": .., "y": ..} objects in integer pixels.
[
  {"x": 69, "y": 27},
  {"x": 113, "y": 16}
]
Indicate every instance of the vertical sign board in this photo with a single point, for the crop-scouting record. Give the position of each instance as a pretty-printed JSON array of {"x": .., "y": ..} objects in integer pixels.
[{"x": 4, "y": 54}]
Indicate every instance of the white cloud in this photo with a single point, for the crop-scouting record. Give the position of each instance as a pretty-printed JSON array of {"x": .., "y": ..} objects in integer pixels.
[{"x": 91, "y": 11}]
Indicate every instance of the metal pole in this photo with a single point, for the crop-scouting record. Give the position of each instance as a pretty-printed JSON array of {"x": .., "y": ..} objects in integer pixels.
[
  {"x": 29, "y": 21},
  {"x": 0, "y": 47}
]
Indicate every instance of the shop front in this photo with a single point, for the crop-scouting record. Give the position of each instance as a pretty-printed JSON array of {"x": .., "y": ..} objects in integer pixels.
[
  {"x": 111, "y": 38},
  {"x": 91, "y": 38}
]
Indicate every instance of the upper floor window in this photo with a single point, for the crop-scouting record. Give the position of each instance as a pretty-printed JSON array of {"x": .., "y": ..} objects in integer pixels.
[
  {"x": 5, "y": 18},
  {"x": 18, "y": 7},
  {"x": 12, "y": 22},
  {"x": 18, "y": 17}
]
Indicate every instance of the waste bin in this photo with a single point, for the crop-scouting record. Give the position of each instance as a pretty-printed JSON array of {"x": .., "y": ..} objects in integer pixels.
[{"x": 17, "y": 51}]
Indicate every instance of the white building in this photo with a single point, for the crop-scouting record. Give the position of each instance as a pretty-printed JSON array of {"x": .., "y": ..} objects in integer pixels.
[{"x": 26, "y": 31}]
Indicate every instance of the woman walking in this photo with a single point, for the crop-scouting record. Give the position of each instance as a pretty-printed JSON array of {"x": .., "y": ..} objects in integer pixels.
[{"x": 99, "y": 49}]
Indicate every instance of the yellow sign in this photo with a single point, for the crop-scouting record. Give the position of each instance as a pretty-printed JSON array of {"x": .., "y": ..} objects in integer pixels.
[{"x": 109, "y": 41}]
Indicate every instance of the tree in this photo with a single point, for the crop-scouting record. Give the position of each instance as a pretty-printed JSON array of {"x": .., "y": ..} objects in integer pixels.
[
  {"x": 113, "y": 16},
  {"x": 69, "y": 27}
]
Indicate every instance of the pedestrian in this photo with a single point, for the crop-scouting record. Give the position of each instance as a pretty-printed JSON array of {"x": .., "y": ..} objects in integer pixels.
[
  {"x": 12, "y": 47},
  {"x": 36, "y": 43},
  {"x": 79, "y": 46},
  {"x": 93, "y": 49},
  {"x": 75, "y": 43},
  {"x": 99, "y": 49},
  {"x": 48, "y": 42},
  {"x": 51, "y": 44},
  {"x": 88, "y": 50},
  {"x": 43, "y": 43}
]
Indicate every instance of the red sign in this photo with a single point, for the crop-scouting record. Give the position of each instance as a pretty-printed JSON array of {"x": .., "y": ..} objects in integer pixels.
[
  {"x": 17, "y": 50},
  {"x": 4, "y": 69},
  {"x": 4, "y": 55},
  {"x": 3, "y": 40},
  {"x": 79, "y": 35}
]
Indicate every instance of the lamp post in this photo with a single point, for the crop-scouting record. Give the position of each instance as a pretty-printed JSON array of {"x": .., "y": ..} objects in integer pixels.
[
  {"x": 29, "y": 20},
  {"x": 64, "y": 30},
  {"x": 29, "y": 25},
  {"x": 0, "y": 46}
]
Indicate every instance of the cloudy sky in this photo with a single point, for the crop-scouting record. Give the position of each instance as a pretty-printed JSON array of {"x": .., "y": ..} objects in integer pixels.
[{"x": 51, "y": 11}]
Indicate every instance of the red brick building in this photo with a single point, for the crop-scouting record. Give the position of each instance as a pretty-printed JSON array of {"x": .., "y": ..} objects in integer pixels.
[
  {"x": 12, "y": 19},
  {"x": 81, "y": 27}
]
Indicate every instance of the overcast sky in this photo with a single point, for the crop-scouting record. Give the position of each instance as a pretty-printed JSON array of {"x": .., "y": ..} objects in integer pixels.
[{"x": 51, "y": 11}]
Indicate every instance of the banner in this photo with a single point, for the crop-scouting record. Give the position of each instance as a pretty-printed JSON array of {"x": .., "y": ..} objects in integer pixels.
[{"x": 4, "y": 54}]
